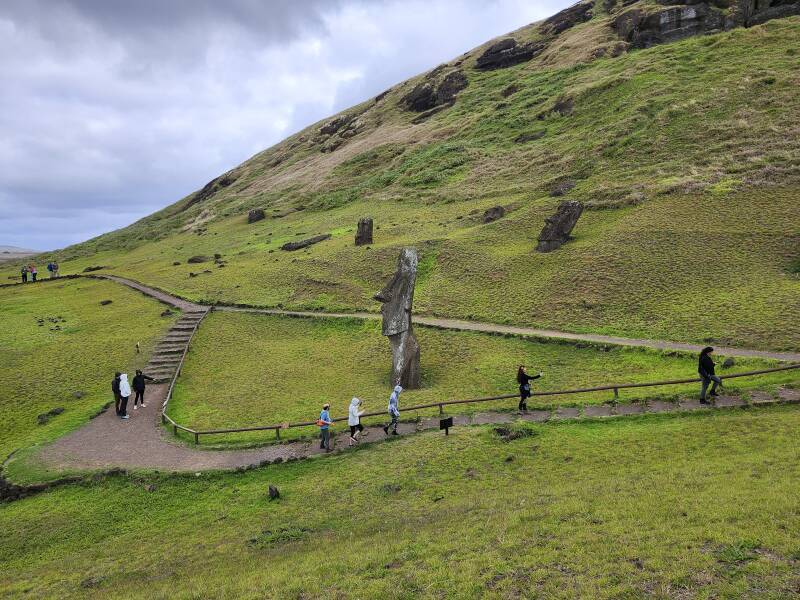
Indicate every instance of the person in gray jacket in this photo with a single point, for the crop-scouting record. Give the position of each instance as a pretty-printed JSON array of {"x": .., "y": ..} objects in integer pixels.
[{"x": 394, "y": 411}]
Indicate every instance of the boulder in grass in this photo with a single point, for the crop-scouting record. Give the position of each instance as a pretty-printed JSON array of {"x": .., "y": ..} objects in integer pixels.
[
  {"x": 274, "y": 493},
  {"x": 197, "y": 259},
  {"x": 45, "y": 417},
  {"x": 291, "y": 246},
  {"x": 494, "y": 213},
  {"x": 562, "y": 188},
  {"x": 558, "y": 227},
  {"x": 105, "y": 302},
  {"x": 257, "y": 214},
  {"x": 728, "y": 363},
  {"x": 95, "y": 268}
]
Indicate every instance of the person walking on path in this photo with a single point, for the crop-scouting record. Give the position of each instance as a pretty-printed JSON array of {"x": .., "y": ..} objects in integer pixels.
[
  {"x": 24, "y": 273},
  {"x": 115, "y": 390},
  {"x": 124, "y": 394},
  {"x": 50, "y": 269},
  {"x": 324, "y": 423},
  {"x": 705, "y": 368},
  {"x": 139, "y": 387},
  {"x": 55, "y": 269},
  {"x": 33, "y": 272},
  {"x": 524, "y": 381},
  {"x": 394, "y": 411},
  {"x": 354, "y": 420}
]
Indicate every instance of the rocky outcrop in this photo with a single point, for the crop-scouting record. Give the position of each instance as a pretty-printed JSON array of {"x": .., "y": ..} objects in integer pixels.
[
  {"x": 562, "y": 188},
  {"x": 397, "y": 297},
  {"x": 291, "y": 246},
  {"x": 211, "y": 188},
  {"x": 364, "y": 232},
  {"x": 567, "y": 18},
  {"x": 257, "y": 214},
  {"x": 506, "y": 53},
  {"x": 679, "y": 19},
  {"x": 494, "y": 213},
  {"x": 336, "y": 131},
  {"x": 558, "y": 227},
  {"x": 436, "y": 90}
]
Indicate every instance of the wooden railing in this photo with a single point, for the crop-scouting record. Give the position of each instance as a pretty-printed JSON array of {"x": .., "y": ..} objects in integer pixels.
[{"x": 615, "y": 388}]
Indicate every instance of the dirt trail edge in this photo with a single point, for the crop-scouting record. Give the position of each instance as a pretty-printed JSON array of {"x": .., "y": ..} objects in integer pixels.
[{"x": 141, "y": 442}]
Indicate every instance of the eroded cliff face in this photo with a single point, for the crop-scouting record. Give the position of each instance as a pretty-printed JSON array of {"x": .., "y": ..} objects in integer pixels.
[{"x": 643, "y": 25}]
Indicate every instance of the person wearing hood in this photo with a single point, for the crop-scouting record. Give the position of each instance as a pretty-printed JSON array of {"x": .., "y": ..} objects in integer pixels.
[
  {"x": 139, "y": 387},
  {"x": 115, "y": 390},
  {"x": 705, "y": 369},
  {"x": 524, "y": 381},
  {"x": 124, "y": 394},
  {"x": 394, "y": 411},
  {"x": 354, "y": 420}
]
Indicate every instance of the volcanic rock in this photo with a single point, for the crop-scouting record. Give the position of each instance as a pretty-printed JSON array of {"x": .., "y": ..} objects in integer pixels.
[
  {"x": 364, "y": 231},
  {"x": 506, "y": 53},
  {"x": 291, "y": 246},
  {"x": 558, "y": 227},
  {"x": 257, "y": 214},
  {"x": 494, "y": 213}
]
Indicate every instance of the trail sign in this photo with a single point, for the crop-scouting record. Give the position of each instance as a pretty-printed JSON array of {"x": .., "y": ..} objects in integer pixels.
[{"x": 446, "y": 424}]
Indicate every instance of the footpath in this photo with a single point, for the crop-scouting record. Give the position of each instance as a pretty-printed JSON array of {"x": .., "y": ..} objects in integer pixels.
[{"x": 141, "y": 442}]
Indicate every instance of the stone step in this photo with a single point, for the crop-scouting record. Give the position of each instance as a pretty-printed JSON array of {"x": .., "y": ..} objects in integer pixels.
[
  {"x": 164, "y": 362},
  {"x": 176, "y": 338},
  {"x": 169, "y": 349},
  {"x": 182, "y": 327}
]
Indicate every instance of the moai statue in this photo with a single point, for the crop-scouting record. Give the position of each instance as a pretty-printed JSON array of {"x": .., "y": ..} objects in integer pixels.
[
  {"x": 557, "y": 227},
  {"x": 364, "y": 232},
  {"x": 397, "y": 297}
]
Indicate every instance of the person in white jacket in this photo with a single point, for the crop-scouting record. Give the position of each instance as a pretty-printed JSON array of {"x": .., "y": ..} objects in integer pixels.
[
  {"x": 124, "y": 394},
  {"x": 354, "y": 420}
]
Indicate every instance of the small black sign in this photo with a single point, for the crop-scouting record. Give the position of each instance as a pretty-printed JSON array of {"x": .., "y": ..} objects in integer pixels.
[{"x": 446, "y": 424}]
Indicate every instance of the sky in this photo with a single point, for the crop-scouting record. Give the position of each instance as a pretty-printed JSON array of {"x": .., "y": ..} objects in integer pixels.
[{"x": 111, "y": 109}]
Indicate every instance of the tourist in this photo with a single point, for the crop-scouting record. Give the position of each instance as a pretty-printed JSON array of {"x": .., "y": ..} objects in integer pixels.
[
  {"x": 354, "y": 420},
  {"x": 394, "y": 411},
  {"x": 50, "y": 269},
  {"x": 115, "y": 389},
  {"x": 33, "y": 272},
  {"x": 124, "y": 394},
  {"x": 705, "y": 368},
  {"x": 139, "y": 387},
  {"x": 324, "y": 423},
  {"x": 24, "y": 273},
  {"x": 524, "y": 381},
  {"x": 55, "y": 269}
]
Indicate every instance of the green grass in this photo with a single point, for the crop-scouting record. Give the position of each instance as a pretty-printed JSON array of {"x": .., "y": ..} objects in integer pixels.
[
  {"x": 43, "y": 368},
  {"x": 247, "y": 369},
  {"x": 684, "y": 506},
  {"x": 694, "y": 143}
]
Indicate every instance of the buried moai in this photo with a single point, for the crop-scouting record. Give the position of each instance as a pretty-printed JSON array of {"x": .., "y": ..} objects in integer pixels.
[
  {"x": 364, "y": 232},
  {"x": 557, "y": 227},
  {"x": 397, "y": 297}
]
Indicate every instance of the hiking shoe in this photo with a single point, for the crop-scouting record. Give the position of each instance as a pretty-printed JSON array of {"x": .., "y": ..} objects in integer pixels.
[
  {"x": 395, "y": 433},
  {"x": 704, "y": 401},
  {"x": 124, "y": 417},
  {"x": 386, "y": 430},
  {"x": 135, "y": 407},
  {"x": 713, "y": 394},
  {"x": 144, "y": 405}
]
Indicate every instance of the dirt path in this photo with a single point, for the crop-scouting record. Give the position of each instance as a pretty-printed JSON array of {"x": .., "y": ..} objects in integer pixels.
[
  {"x": 459, "y": 325},
  {"x": 141, "y": 442}
]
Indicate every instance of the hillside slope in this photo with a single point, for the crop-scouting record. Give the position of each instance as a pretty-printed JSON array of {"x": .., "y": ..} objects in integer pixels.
[{"x": 687, "y": 154}]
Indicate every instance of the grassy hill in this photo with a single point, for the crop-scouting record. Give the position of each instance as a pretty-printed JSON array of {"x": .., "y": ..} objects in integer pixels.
[{"x": 686, "y": 154}]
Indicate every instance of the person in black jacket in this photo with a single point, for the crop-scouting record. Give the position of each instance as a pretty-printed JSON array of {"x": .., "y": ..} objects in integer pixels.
[
  {"x": 705, "y": 368},
  {"x": 115, "y": 389},
  {"x": 139, "y": 387},
  {"x": 524, "y": 381}
]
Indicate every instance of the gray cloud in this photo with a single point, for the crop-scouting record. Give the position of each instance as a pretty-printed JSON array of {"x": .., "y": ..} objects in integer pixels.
[{"x": 112, "y": 110}]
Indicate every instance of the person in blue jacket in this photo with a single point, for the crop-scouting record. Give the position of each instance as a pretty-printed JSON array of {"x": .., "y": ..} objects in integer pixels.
[
  {"x": 394, "y": 411},
  {"x": 324, "y": 428}
]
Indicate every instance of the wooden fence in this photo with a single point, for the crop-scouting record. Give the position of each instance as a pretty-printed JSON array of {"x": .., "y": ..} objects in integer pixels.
[{"x": 615, "y": 388}]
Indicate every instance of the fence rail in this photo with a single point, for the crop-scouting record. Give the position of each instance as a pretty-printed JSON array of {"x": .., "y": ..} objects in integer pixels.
[{"x": 610, "y": 387}]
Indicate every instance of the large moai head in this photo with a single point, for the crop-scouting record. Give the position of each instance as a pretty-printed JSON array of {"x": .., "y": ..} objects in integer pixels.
[{"x": 397, "y": 295}]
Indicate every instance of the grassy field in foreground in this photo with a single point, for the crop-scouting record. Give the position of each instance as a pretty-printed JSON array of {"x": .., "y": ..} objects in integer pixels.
[
  {"x": 249, "y": 369},
  {"x": 45, "y": 368},
  {"x": 700, "y": 505}
]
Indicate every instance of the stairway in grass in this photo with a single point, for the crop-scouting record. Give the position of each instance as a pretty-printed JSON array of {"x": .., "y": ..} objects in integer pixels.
[{"x": 168, "y": 352}]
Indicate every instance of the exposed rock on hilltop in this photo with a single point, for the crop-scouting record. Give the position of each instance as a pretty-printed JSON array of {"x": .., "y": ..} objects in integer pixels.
[{"x": 646, "y": 25}]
